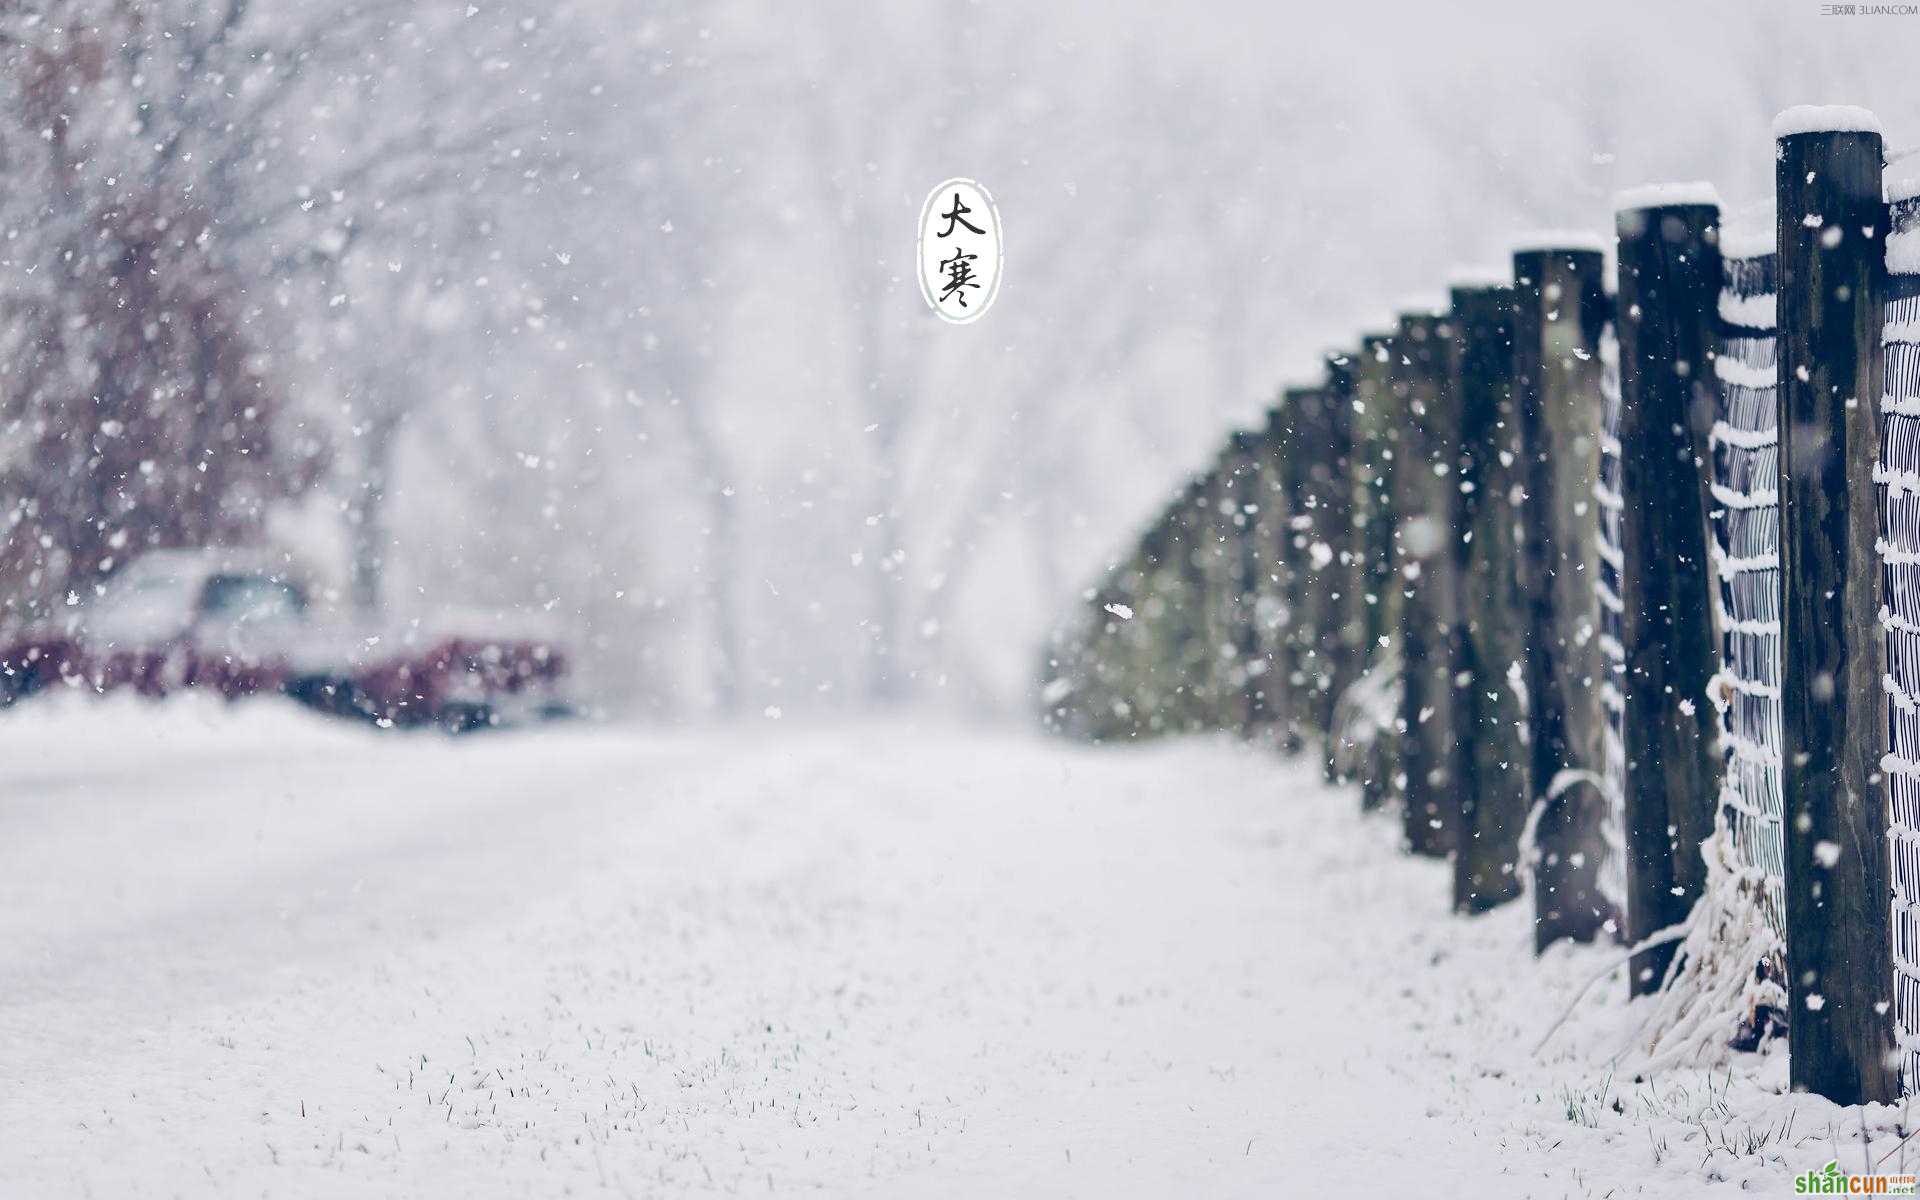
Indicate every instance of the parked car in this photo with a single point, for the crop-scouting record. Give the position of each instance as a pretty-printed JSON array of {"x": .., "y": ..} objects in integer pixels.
[{"x": 242, "y": 623}]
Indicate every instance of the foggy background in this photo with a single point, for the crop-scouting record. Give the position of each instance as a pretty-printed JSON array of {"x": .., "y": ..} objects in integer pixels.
[{"x": 606, "y": 313}]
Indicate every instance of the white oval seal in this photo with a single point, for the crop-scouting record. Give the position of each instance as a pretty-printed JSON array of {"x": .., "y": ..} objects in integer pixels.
[{"x": 960, "y": 251}]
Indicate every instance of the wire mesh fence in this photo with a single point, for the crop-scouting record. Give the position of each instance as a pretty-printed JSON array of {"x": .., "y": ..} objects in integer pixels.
[
  {"x": 1898, "y": 479},
  {"x": 1613, "y": 653},
  {"x": 1745, "y": 462}
]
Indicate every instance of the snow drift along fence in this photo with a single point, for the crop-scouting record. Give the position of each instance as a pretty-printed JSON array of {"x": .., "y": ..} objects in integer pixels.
[{"x": 1615, "y": 598}]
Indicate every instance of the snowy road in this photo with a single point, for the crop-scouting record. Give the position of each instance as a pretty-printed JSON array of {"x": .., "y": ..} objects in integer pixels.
[{"x": 264, "y": 956}]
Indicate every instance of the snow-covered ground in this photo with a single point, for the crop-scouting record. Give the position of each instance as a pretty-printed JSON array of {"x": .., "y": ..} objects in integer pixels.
[{"x": 247, "y": 952}]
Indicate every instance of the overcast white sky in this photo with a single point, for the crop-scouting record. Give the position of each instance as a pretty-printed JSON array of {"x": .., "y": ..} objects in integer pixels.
[{"x": 1197, "y": 203}]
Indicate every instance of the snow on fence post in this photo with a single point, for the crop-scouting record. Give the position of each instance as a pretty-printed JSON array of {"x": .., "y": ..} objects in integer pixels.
[
  {"x": 1426, "y": 526},
  {"x": 1560, "y": 307},
  {"x": 1333, "y": 586},
  {"x": 1491, "y": 713},
  {"x": 1369, "y": 708},
  {"x": 1831, "y": 225},
  {"x": 1667, "y": 323}
]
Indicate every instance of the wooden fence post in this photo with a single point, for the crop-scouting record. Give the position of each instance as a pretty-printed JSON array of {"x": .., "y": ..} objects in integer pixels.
[
  {"x": 1427, "y": 530},
  {"x": 1185, "y": 654},
  {"x": 1279, "y": 493},
  {"x": 1265, "y": 508},
  {"x": 1495, "y": 787},
  {"x": 1304, "y": 594},
  {"x": 1315, "y": 466},
  {"x": 1668, "y": 314},
  {"x": 1247, "y": 568},
  {"x": 1339, "y": 636},
  {"x": 1560, "y": 308},
  {"x": 1833, "y": 708},
  {"x": 1374, "y": 610},
  {"x": 1219, "y": 574},
  {"x": 1112, "y": 716},
  {"x": 1136, "y": 641}
]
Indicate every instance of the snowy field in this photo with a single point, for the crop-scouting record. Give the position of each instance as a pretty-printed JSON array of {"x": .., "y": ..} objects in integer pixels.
[{"x": 249, "y": 953}]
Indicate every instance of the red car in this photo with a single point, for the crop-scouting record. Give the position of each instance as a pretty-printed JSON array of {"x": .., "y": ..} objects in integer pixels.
[{"x": 242, "y": 623}]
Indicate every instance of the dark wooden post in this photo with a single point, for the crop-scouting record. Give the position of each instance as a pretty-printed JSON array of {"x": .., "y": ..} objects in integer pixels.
[
  {"x": 1186, "y": 654},
  {"x": 1279, "y": 491},
  {"x": 1263, "y": 566},
  {"x": 1427, "y": 529},
  {"x": 1247, "y": 560},
  {"x": 1560, "y": 308},
  {"x": 1495, "y": 787},
  {"x": 1301, "y": 420},
  {"x": 1374, "y": 614},
  {"x": 1668, "y": 314},
  {"x": 1139, "y": 639},
  {"x": 1109, "y": 716},
  {"x": 1315, "y": 479},
  {"x": 1340, "y": 635},
  {"x": 1217, "y": 572},
  {"x": 1147, "y": 643},
  {"x": 1168, "y": 613},
  {"x": 1833, "y": 710}
]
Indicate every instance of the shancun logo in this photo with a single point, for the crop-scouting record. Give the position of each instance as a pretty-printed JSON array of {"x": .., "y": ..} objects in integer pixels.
[
  {"x": 1830, "y": 1180},
  {"x": 960, "y": 252}
]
